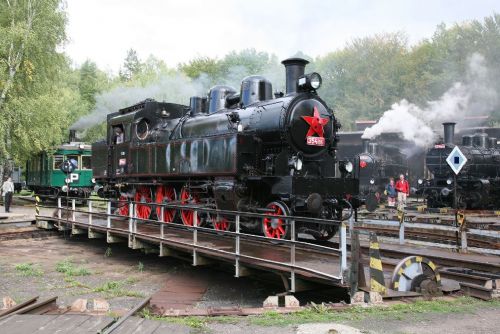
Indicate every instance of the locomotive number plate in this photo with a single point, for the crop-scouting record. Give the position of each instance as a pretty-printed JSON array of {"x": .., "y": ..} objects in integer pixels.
[{"x": 315, "y": 141}]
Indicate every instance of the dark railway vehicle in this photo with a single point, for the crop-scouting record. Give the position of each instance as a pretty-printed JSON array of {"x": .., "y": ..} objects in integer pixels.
[
  {"x": 45, "y": 177},
  {"x": 478, "y": 183},
  {"x": 374, "y": 167},
  {"x": 250, "y": 152}
]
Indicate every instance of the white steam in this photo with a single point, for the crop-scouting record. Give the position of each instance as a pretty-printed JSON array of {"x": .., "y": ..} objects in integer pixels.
[
  {"x": 174, "y": 88},
  {"x": 473, "y": 97}
]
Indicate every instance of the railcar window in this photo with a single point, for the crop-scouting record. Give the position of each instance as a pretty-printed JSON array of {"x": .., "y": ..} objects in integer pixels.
[
  {"x": 74, "y": 159},
  {"x": 86, "y": 162},
  {"x": 58, "y": 160}
]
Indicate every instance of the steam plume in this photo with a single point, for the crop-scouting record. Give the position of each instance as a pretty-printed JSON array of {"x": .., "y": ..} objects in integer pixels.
[{"x": 473, "y": 97}]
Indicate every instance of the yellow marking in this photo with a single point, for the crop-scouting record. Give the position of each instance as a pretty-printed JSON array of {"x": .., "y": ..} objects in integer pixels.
[
  {"x": 443, "y": 210},
  {"x": 374, "y": 245},
  {"x": 401, "y": 271},
  {"x": 396, "y": 285},
  {"x": 37, "y": 198},
  {"x": 438, "y": 277},
  {"x": 418, "y": 258},
  {"x": 497, "y": 213},
  {"x": 408, "y": 263},
  {"x": 432, "y": 265},
  {"x": 377, "y": 287},
  {"x": 376, "y": 264}
]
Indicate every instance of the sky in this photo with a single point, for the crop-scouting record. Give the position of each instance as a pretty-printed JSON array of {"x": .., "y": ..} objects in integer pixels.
[{"x": 179, "y": 30}]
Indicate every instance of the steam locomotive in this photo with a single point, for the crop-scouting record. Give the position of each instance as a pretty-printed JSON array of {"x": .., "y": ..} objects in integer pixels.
[
  {"x": 250, "y": 151},
  {"x": 374, "y": 167},
  {"x": 477, "y": 184}
]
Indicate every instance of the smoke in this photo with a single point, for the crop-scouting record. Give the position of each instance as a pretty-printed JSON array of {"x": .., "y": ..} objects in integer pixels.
[
  {"x": 173, "y": 88},
  {"x": 474, "y": 97}
]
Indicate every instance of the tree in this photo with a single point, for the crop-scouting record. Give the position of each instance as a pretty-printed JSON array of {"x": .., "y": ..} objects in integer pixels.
[
  {"x": 31, "y": 30},
  {"x": 131, "y": 67}
]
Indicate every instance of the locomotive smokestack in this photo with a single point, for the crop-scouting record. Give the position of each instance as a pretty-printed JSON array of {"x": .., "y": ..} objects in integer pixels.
[
  {"x": 449, "y": 132},
  {"x": 72, "y": 136},
  {"x": 365, "y": 142},
  {"x": 493, "y": 142},
  {"x": 196, "y": 105},
  {"x": 295, "y": 68},
  {"x": 373, "y": 148}
]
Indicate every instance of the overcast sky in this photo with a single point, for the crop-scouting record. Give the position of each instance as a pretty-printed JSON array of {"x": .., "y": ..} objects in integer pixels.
[{"x": 179, "y": 30}]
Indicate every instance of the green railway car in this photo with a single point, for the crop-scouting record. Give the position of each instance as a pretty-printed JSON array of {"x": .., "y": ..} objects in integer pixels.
[{"x": 44, "y": 175}]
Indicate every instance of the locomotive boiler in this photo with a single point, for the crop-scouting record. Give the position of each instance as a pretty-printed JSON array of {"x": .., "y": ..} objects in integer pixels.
[
  {"x": 254, "y": 151},
  {"x": 477, "y": 186}
]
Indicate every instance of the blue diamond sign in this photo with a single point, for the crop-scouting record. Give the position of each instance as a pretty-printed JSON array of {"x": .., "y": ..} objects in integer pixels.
[{"x": 456, "y": 160}]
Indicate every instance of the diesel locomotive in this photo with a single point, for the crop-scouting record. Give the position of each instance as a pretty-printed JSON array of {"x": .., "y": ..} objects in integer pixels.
[
  {"x": 374, "y": 167},
  {"x": 477, "y": 186},
  {"x": 251, "y": 151}
]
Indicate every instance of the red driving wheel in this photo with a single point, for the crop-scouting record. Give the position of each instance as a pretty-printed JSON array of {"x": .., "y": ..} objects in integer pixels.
[
  {"x": 123, "y": 204},
  {"x": 164, "y": 195},
  {"x": 276, "y": 228},
  {"x": 220, "y": 223},
  {"x": 143, "y": 195},
  {"x": 187, "y": 216}
]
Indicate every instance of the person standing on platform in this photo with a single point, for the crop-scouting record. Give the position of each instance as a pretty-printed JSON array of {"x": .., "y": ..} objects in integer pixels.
[
  {"x": 7, "y": 192},
  {"x": 403, "y": 189},
  {"x": 391, "y": 193}
]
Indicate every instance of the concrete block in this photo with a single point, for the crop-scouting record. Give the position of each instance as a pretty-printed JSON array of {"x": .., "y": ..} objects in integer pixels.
[
  {"x": 291, "y": 301},
  {"x": 8, "y": 302},
  {"x": 79, "y": 305},
  {"x": 101, "y": 305},
  {"x": 375, "y": 298},
  {"x": 271, "y": 301},
  {"x": 358, "y": 298}
]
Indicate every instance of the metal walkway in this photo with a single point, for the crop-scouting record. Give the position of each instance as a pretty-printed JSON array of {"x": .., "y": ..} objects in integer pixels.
[{"x": 294, "y": 259}]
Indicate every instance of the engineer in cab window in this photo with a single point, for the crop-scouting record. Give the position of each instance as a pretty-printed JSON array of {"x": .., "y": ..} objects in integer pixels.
[{"x": 119, "y": 135}]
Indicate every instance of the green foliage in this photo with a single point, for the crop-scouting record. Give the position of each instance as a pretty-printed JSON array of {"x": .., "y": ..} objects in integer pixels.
[
  {"x": 140, "y": 267},
  {"x": 116, "y": 289},
  {"x": 28, "y": 269},
  {"x": 108, "y": 252},
  {"x": 68, "y": 268}
]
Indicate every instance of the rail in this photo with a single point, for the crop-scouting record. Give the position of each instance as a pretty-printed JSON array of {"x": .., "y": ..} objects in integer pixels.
[
  {"x": 98, "y": 216},
  {"x": 459, "y": 233}
]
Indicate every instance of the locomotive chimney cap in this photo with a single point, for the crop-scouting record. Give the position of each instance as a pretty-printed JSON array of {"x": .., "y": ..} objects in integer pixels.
[{"x": 295, "y": 61}]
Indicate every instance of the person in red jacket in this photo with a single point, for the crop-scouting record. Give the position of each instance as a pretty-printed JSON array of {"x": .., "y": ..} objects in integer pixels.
[{"x": 403, "y": 189}]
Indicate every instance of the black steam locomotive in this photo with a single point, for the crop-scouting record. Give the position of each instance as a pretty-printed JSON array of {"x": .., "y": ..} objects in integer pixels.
[
  {"x": 374, "y": 167},
  {"x": 477, "y": 184},
  {"x": 250, "y": 152}
]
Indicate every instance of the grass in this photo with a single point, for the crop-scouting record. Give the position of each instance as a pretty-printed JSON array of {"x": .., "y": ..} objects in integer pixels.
[
  {"x": 108, "y": 252},
  {"x": 140, "y": 267},
  {"x": 28, "y": 269},
  {"x": 113, "y": 289},
  {"x": 319, "y": 313},
  {"x": 68, "y": 269}
]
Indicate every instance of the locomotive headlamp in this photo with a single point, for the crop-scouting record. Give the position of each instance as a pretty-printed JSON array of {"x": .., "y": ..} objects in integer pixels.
[
  {"x": 420, "y": 181},
  {"x": 93, "y": 180},
  {"x": 346, "y": 166},
  {"x": 449, "y": 181},
  {"x": 64, "y": 188},
  {"x": 372, "y": 181},
  {"x": 81, "y": 146},
  {"x": 298, "y": 164},
  {"x": 310, "y": 81}
]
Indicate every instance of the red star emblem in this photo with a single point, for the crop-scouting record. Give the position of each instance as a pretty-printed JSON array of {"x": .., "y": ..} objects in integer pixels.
[{"x": 316, "y": 123}]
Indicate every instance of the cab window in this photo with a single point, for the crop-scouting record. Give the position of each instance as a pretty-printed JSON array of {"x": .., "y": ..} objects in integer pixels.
[
  {"x": 58, "y": 160},
  {"x": 74, "y": 159},
  {"x": 86, "y": 162}
]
